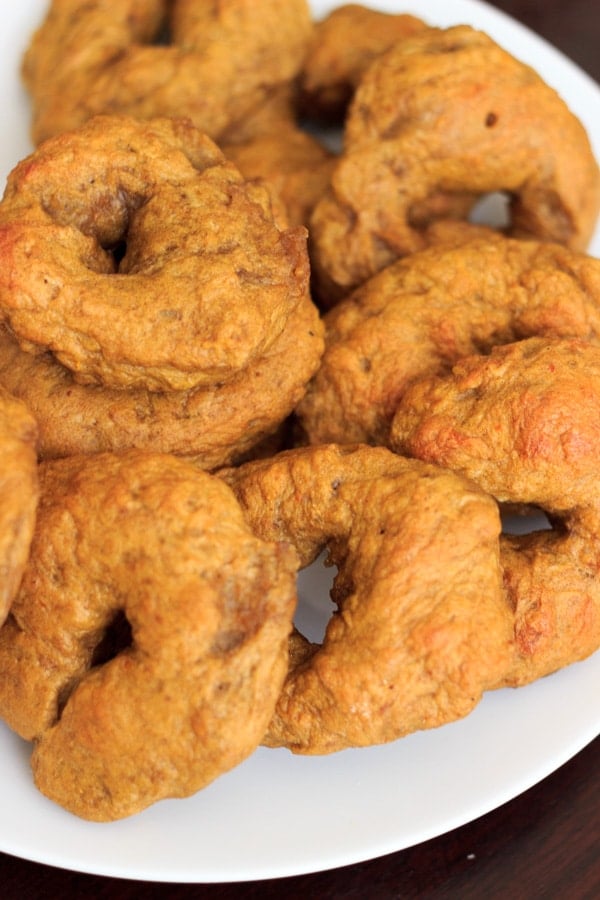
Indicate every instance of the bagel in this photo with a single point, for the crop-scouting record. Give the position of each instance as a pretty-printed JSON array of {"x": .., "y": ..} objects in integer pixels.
[
  {"x": 18, "y": 494},
  {"x": 215, "y": 426},
  {"x": 147, "y": 645},
  {"x": 293, "y": 164},
  {"x": 421, "y": 629},
  {"x": 219, "y": 64},
  {"x": 423, "y": 313},
  {"x": 445, "y": 114},
  {"x": 524, "y": 424},
  {"x": 218, "y": 303},
  {"x": 203, "y": 286},
  {"x": 342, "y": 46}
]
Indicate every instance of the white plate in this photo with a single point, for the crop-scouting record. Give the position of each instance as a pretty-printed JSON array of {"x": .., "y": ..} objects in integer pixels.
[{"x": 277, "y": 814}]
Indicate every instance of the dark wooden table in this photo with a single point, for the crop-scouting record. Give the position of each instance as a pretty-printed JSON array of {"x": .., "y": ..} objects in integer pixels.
[{"x": 543, "y": 844}]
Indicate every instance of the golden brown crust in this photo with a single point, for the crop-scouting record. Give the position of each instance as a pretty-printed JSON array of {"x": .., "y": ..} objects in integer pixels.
[
  {"x": 18, "y": 494},
  {"x": 342, "y": 46},
  {"x": 524, "y": 423},
  {"x": 151, "y": 543},
  {"x": 422, "y": 627},
  {"x": 215, "y": 426},
  {"x": 207, "y": 282},
  {"x": 293, "y": 164},
  {"x": 149, "y": 644},
  {"x": 449, "y": 111},
  {"x": 426, "y": 311},
  {"x": 222, "y": 67},
  {"x": 210, "y": 294}
]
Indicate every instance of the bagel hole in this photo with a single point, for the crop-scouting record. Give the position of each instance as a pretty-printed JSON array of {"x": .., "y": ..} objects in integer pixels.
[
  {"x": 163, "y": 37},
  {"x": 329, "y": 136},
  {"x": 115, "y": 638},
  {"x": 315, "y": 606},
  {"x": 492, "y": 210},
  {"x": 519, "y": 520},
  {"x": 117, "y": 251}
]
